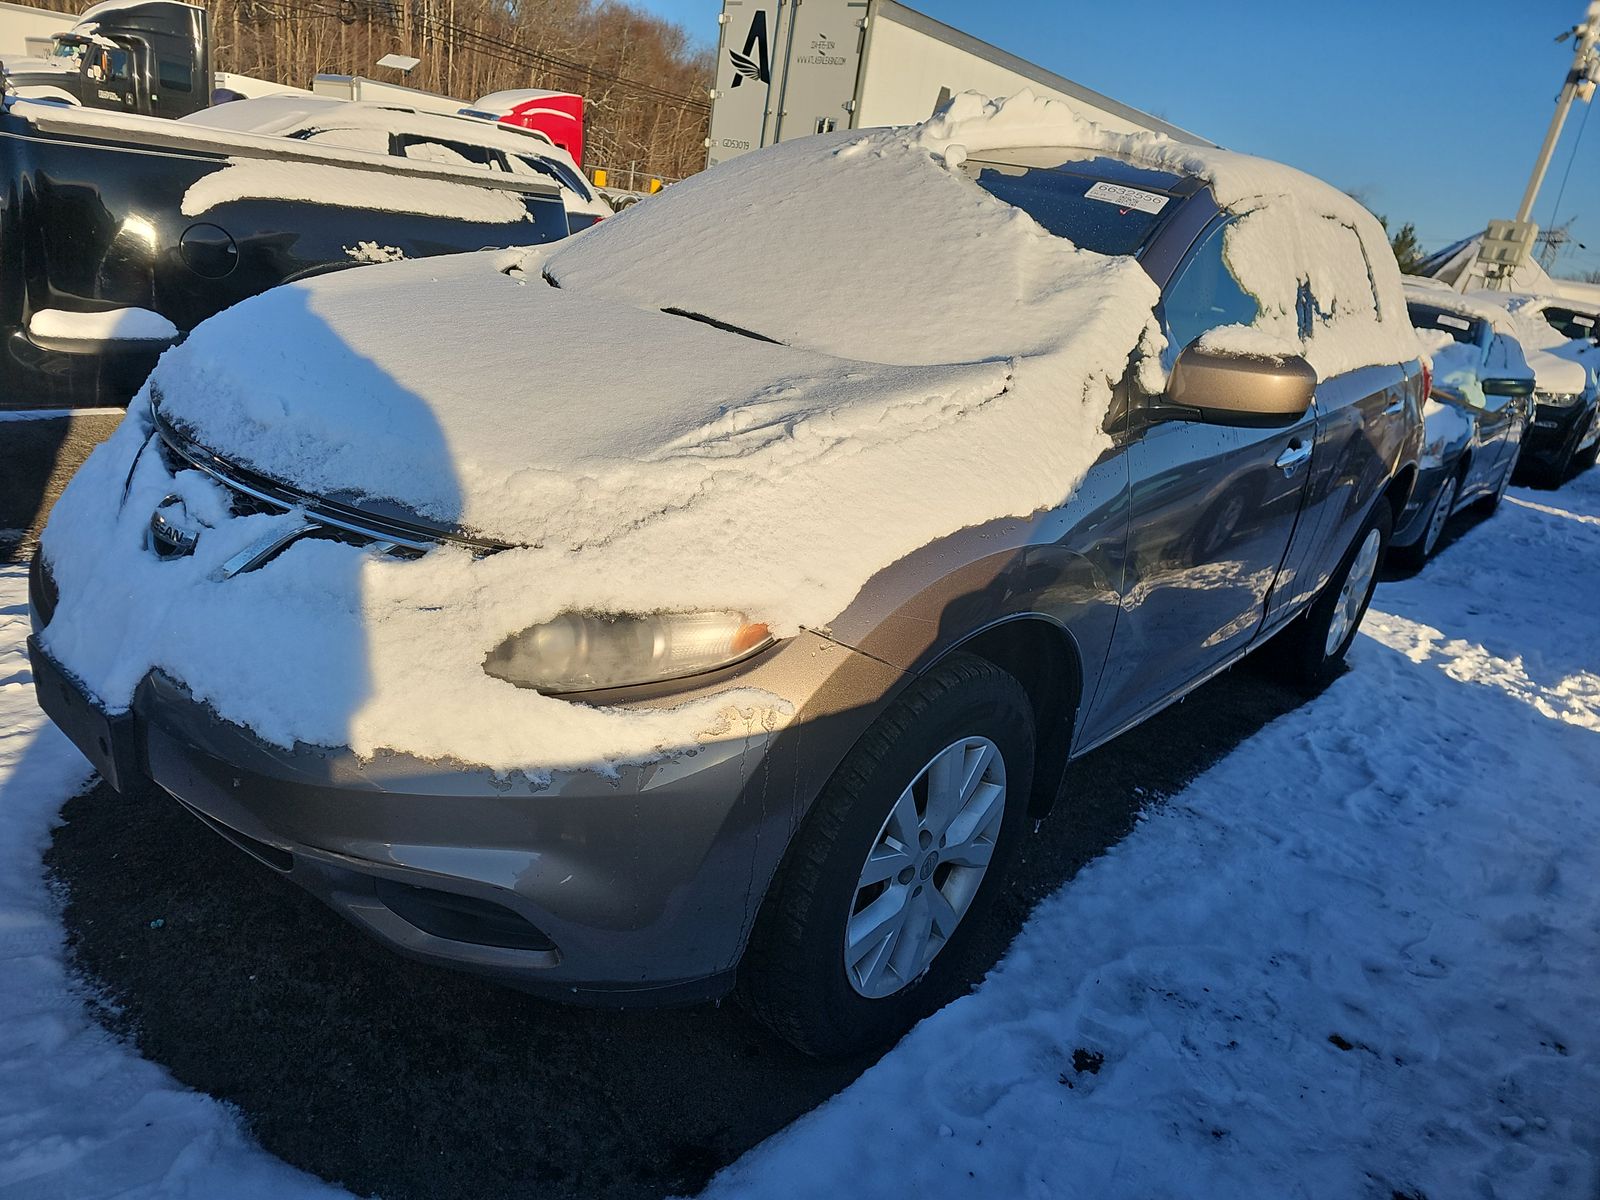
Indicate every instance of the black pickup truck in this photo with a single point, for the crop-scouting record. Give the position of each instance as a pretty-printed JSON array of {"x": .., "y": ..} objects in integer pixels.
[{"x": 119, "y": 233}]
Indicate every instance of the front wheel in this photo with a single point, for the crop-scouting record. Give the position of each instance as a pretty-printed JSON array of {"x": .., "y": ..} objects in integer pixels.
[
  {"x": 905, "y": 846},
  {"x": 1311, "y": 648},
  {"x": 1491, "y": 503},
  {"x": 1444, "y": 503}
]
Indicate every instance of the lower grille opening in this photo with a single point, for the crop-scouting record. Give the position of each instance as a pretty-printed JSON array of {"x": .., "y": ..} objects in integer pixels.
[
  {"x": 275, "y": 857},
  {"x": 461, "y": 918}
]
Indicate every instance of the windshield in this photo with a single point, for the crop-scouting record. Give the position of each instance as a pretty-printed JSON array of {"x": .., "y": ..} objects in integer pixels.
[
  {"x": 1570, "y": 323},
  {"x": 1090, "y": 213}
]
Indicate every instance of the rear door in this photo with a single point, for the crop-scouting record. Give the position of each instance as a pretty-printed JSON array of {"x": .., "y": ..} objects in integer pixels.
[
  {"x": 1213, "y": 510},
  {"x": 1363, "y": 421}
]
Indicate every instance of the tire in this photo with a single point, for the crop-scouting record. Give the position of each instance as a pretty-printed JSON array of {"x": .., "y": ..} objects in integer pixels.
[
  {"x": 795, "y": 977},
  {"x": 1585, "y": 459},
  {"x": 1419, "y": 552},
  {"x": 1307, "y": 653}
]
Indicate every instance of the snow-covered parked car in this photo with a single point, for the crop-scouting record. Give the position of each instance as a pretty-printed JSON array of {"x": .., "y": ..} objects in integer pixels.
[
  {"x": 758, "y": 667},
  {"x": 1477, "y": 412},
  {"x": 429, "y": 137},
  {"x": 1565, "y": 432}
]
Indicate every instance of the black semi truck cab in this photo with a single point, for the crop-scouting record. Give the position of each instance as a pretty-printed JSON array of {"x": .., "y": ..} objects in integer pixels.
[{"x": 151, "y": 57}]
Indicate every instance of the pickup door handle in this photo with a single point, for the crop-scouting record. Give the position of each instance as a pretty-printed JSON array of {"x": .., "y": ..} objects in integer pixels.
[{"x": 1297, "y": 452}]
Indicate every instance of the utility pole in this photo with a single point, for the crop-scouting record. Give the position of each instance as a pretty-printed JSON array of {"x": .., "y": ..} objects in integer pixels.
[
  {"x": 1580, "y": 84},
  {"x": 1506, "y": 245}
]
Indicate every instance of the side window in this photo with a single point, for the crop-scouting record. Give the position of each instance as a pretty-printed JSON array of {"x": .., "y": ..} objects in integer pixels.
[
  {"x": 108, "y": 66},
  {"x": 373, "y": 141},
  {"x": 1203, "y": 296},
  {"x": 1342, "y": 285},
  {"x": 450, "y": 154},
  {"x": 548, "y": 169},
  {"x": 174, "y": 76}
]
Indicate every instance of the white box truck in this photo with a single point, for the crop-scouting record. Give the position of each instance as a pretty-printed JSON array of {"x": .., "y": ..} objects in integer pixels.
[{"x": 789, "y": 68}]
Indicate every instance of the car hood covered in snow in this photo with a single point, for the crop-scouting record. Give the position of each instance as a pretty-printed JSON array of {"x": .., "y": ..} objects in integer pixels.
[{"x": 525, "y": 412}]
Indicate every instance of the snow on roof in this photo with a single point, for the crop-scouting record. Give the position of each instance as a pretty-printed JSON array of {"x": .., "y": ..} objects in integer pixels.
[
  {"x": 284, "y": 114},
  {"x": 1467, "y": 306},
  {"x": 1559, "y": 363},
  {"x": 1285, "y": 217},
  {"x": 185, "y": 134},
  {"x": 509, "y": 101},
  {"x": 881, "y": 332}
]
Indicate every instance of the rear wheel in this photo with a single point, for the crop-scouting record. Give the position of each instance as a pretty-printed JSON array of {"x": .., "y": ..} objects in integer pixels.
[
  {"x": 906, "y": 845},
  {"x": 1310, "y": 650}
]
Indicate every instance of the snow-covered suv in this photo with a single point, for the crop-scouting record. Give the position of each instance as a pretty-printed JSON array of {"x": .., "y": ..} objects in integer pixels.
[{"x": 720, "y": 597}]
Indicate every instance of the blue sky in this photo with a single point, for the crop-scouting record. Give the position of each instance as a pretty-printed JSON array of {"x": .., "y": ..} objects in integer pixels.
[{"x": 1433, "y": 110}]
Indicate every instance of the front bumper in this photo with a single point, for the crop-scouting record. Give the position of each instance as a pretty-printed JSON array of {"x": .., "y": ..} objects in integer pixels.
[
  {"x": 634, "y": 890},
  {"x": 1556, "y": 433}
]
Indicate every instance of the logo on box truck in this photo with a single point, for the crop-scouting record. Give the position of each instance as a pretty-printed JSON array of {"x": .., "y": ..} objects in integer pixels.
[{"x": 760, "y": 67}]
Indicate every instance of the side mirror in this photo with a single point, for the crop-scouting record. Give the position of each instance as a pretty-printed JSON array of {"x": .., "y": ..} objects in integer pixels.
[
  {"x": 1238, "y": 389},
  {"x": 1508, "y": 387}
]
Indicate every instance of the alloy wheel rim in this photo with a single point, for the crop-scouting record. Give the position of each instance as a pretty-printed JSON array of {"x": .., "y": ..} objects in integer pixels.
[
  {"x": 1441, "y": 515},
  {"x": 925, "y": 867},
  {"x": 1353, "y": 594}
]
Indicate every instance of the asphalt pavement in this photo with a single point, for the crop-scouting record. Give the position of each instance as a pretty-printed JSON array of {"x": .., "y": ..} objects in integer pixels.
[{"x": 407, "y": 1081}]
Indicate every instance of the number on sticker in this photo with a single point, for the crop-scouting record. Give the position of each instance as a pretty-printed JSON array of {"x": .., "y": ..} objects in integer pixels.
[{"x": 1127, "y": 197}]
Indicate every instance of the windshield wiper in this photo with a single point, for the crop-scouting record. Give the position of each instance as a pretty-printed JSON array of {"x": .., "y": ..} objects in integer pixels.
[{"x": 722, "y": 325}]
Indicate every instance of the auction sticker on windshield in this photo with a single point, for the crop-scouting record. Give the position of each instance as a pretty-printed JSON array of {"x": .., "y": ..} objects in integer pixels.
[{"x": 1127, "y": 197}]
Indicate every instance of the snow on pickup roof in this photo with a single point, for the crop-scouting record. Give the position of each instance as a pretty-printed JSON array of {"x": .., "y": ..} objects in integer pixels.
[{"x": 243, "y": 146}]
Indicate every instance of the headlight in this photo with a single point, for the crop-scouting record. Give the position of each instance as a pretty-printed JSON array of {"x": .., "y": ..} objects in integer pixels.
[
  {"x": 1558, "y": 399},
  {"x": 579, "y": 652}
]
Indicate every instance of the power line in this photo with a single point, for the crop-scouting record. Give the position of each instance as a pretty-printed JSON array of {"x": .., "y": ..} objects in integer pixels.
[{"x": 1571, "y": 158}]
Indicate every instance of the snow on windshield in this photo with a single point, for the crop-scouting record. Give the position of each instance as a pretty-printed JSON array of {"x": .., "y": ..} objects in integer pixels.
[{"x": 862, "y": 247}]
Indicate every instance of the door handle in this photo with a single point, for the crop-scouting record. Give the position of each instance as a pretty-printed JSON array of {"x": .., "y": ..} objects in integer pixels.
[
  {"x": 1297, "y": 452},
  {"x": 1395, "y": 405}
]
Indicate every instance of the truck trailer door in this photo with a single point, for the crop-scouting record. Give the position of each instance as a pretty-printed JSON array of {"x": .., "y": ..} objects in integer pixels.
[
  {"x": 748, "y": 58},
  {"x": 822, "y": 54}
]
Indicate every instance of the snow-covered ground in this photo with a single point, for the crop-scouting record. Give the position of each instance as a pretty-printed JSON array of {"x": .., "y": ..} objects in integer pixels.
[
  {"x": 1357, "y": 958},
  {"x": 81, "y": 1115}
]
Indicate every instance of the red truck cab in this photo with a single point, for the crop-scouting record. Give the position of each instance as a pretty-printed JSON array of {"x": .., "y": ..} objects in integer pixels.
[{"x": 557, "y": 116}]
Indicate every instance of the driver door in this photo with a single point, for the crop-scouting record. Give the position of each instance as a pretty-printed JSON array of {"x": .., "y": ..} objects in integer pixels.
[{"x": 1213, "y": 511}]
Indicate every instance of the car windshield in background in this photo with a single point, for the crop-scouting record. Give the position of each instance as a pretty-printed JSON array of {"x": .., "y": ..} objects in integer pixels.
[
  {"x": 1462, "y": 329},
  {"x": 1571, "y": 323},
  {"x": 1093, "y": 214}
]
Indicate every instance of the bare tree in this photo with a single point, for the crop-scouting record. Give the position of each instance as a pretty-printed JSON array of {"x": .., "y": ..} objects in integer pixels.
[{"x": 643, "y": 79}]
